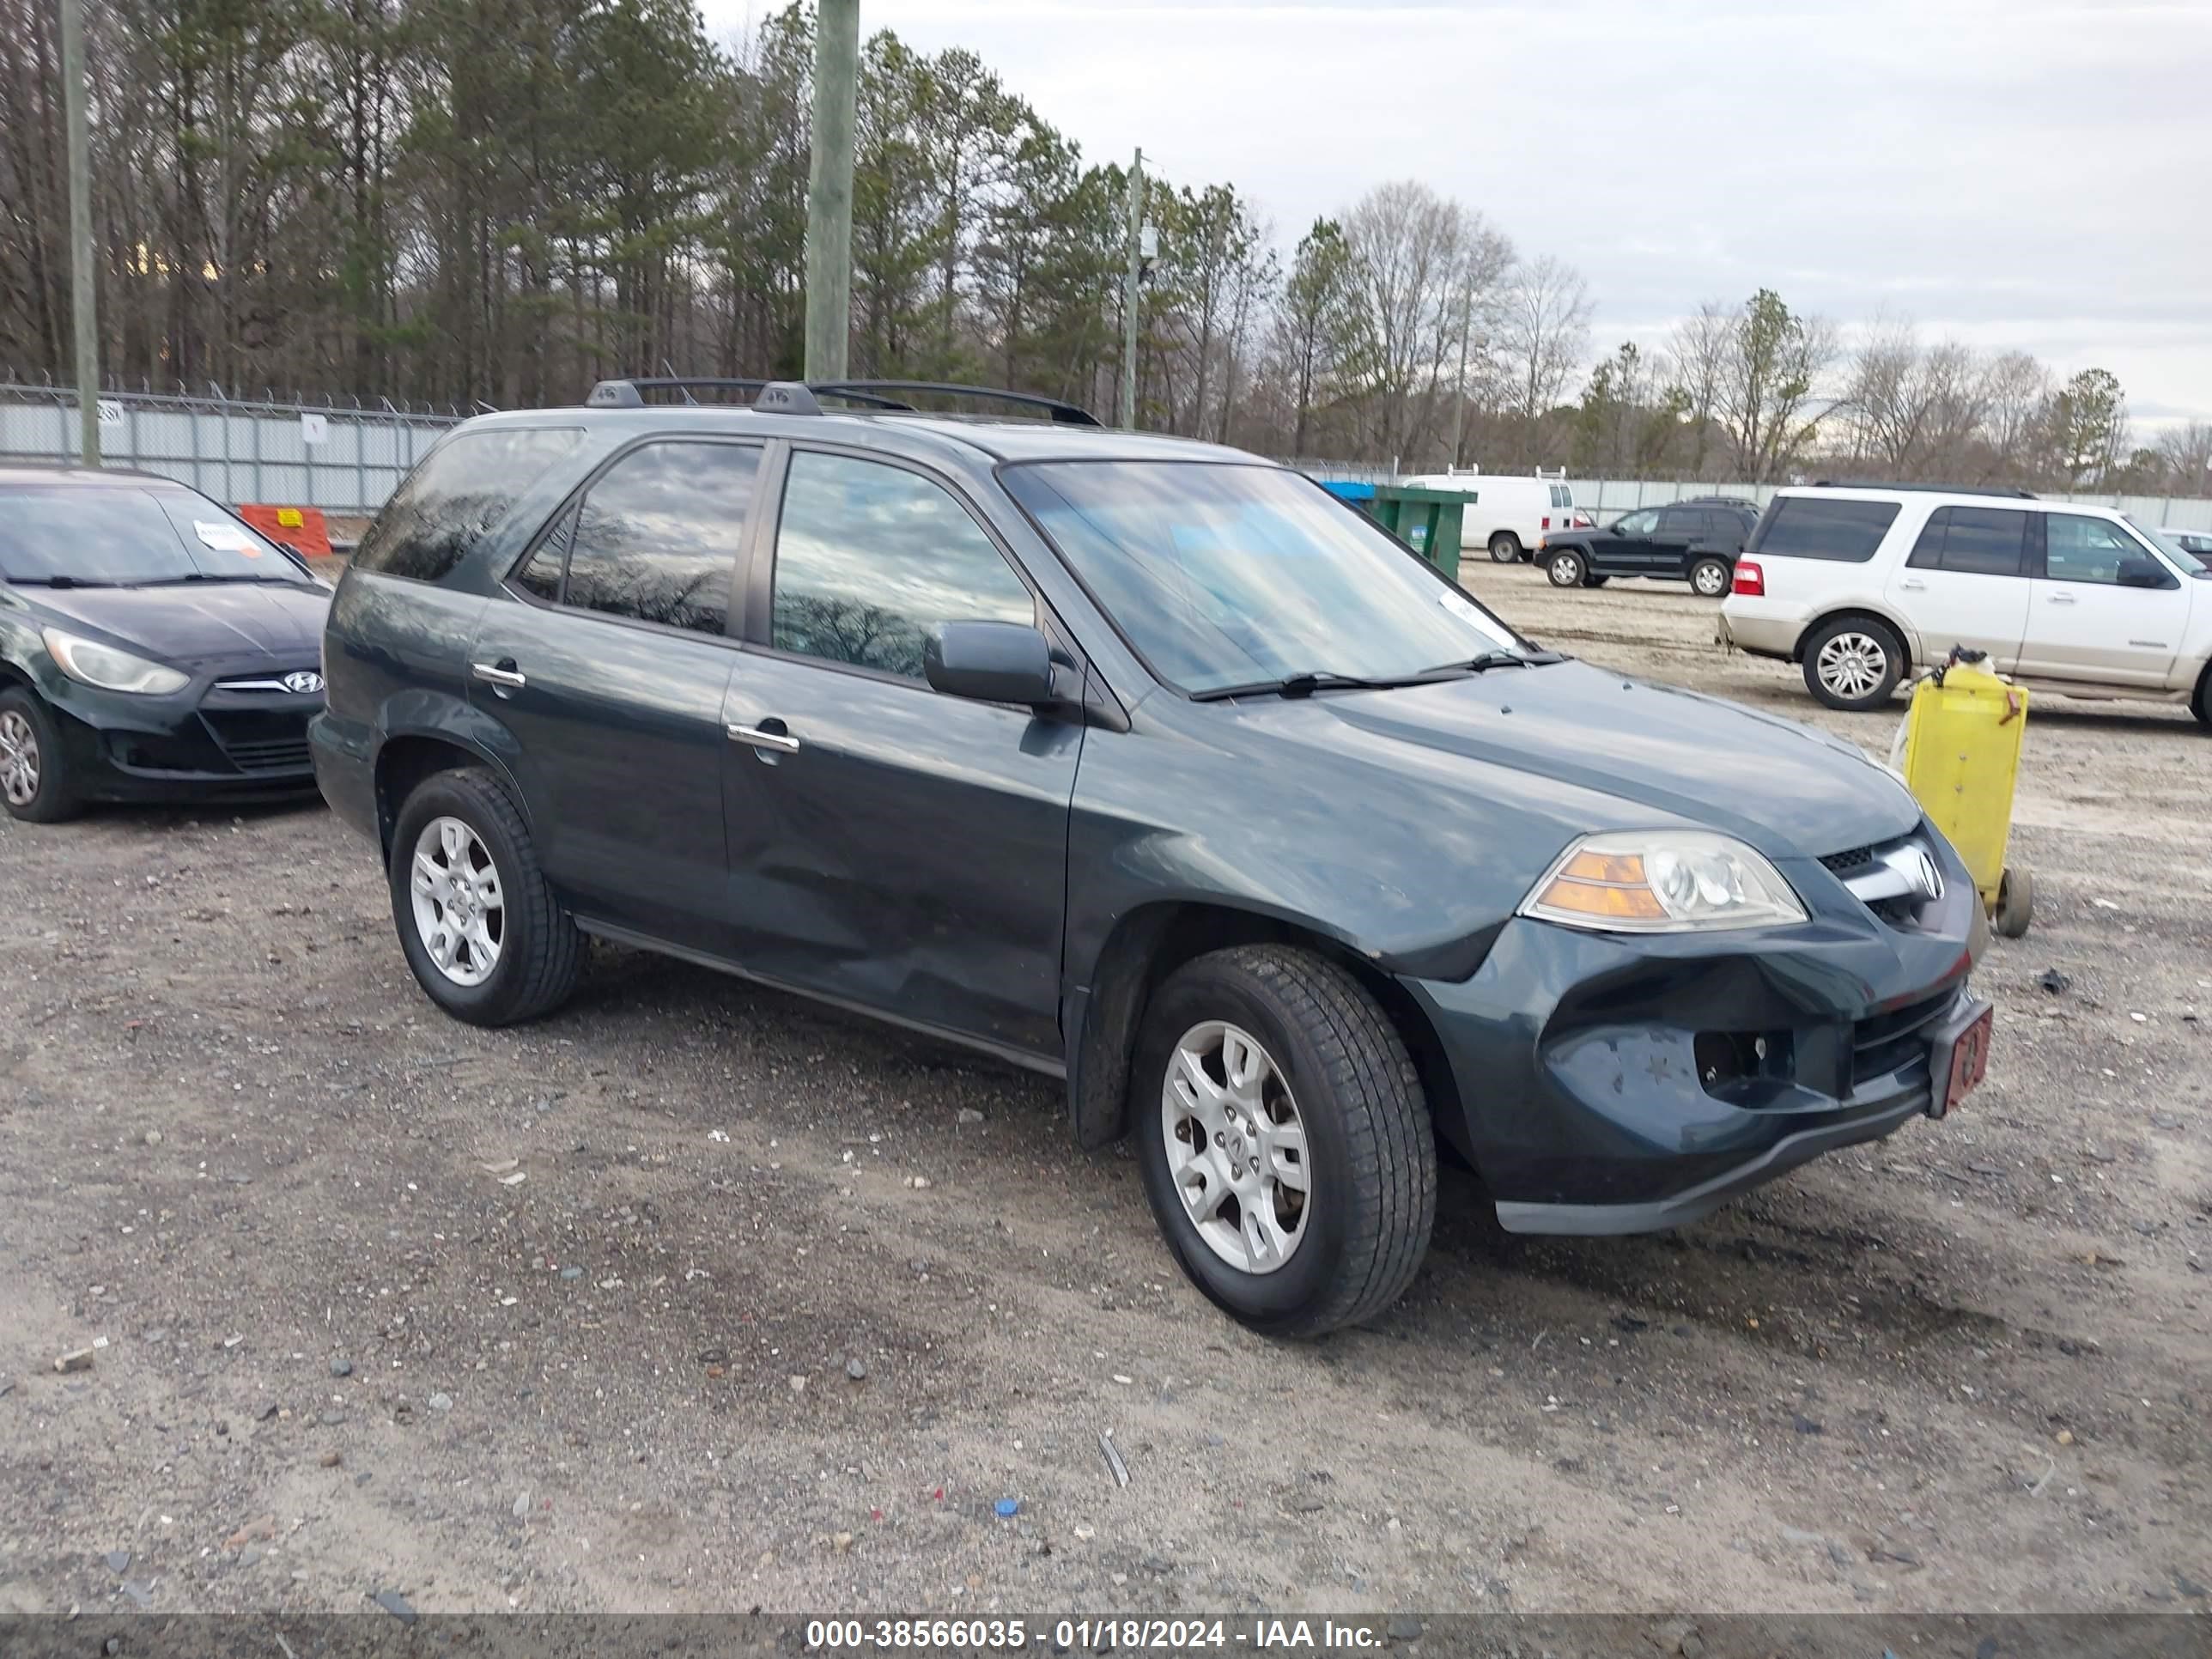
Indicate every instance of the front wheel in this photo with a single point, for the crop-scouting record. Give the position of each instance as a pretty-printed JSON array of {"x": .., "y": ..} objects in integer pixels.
[
  {"x": 482, "y": 931},
  {"x": 1566, "y": 570},
  {"x": 1853, "y": 663},
  {"x": 1711, "y": 577},
  {"x": 34, "y": 782},
  {"x": 1285, "y": 1140},
  {"x": 1506, "y": 547}
]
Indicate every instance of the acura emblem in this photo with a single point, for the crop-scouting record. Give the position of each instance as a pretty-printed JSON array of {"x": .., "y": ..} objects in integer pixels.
[
  {"x": 1917, "y": 867},
  {"x": 303, "y": 681}
]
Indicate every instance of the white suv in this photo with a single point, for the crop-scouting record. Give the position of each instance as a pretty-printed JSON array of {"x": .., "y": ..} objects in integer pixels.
[{"x": 1860, "y": 584}]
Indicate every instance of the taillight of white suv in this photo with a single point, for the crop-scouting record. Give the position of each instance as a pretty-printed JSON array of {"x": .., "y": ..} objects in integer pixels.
[{"x": 1750, "y": 579}]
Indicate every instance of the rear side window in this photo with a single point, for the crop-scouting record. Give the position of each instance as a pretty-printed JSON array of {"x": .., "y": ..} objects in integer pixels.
[
  {"x": 1817, "y": 527},
  {"x": 1972, "y": 541},
  {"x": 657, "y": 540},
  {"x": 457, "y": 497}
]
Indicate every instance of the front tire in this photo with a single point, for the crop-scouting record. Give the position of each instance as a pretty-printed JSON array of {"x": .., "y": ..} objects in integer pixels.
[
  {"x": 1284, "y": 1139},
  {"x": 1709, "y": 578},
  {"x": 1505, "y": 548},
  {"x": 35, "y": 785},
  {"x": 1853, "y": 663},
  {"x": 2201, "y": 704},
  {"x": 486, "y": 939},
  {"x": 1565, "y": 568}
]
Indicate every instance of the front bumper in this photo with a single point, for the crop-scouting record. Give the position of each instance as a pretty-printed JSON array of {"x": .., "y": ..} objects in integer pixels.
[
  {"x": 1610, "y": 1084},
  {"x": 205, "y": 742}
]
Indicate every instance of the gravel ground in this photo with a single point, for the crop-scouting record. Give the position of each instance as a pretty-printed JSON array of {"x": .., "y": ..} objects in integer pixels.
[{"x": 694, "y": 1297}]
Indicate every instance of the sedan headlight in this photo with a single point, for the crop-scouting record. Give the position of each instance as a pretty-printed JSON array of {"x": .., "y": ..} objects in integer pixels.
[
  {"x": 1662, "y": 881},
  {"x": 112, "y": 669}
]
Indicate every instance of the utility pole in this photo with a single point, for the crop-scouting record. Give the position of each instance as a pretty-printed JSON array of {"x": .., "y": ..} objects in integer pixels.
[
  {"x": 84, "y": 288},
  {"x": 1131, "y": 295},
  {"x": 830, "y": 189}
]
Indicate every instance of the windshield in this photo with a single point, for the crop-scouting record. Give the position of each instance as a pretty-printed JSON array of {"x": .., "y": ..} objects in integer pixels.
[
  {"x": 124, "y": 537},
  {"x": 1221, "y": 574},
  {"x": 2170, "y": 543}
]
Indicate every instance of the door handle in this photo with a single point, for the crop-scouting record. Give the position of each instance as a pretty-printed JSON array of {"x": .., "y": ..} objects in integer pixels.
[
  {"x": 782, "y": 742},
  {"x": 1913, "y": 586},
  {"x": 2062, "y": 599},
  {"x": 503, "y": 674}
]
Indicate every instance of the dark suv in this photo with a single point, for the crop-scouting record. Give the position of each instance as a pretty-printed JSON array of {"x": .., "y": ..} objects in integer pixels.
[
  {"x": 1148, "y": 765},
  {"x": 1696, "y": 541}
]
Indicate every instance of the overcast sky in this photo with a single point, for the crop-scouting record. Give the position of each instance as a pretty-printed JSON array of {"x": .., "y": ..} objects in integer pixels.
[{"x": 2023, "y": 174}]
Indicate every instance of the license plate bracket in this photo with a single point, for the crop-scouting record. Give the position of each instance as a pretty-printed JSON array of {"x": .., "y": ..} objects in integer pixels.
[{"x": 1958, "y": 1056}]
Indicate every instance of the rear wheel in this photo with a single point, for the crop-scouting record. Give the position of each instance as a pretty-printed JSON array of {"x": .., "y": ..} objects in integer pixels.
[
  {"x": 1709, "y": 577},
  {"x": 1853, "y": 662},
  {"x": 1284, "y": 1137},
  {"x": 482, "y": 930},
  {"x": 2015, "y": 902},
  {"x": 34, "y": 782},
  {"x": 1565, "y": 568},
  {"x": 1506, "y": 547}
]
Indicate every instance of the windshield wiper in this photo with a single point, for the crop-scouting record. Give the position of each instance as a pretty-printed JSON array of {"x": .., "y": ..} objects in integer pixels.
[
  {"x": 1489, "y": 659},
  {"x": 59, "y": 581},
  {"x": 212, "y": 576},
  {"x": 1312, "y": 680}
]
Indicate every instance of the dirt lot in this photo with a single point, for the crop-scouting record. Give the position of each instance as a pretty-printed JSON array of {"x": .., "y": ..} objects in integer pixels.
[{"x": 561, "y": 1318}]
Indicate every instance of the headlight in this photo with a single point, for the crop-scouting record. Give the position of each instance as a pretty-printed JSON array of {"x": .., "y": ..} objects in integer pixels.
[
  {"x": 1662, "y": 881},
  {"x": 111, "y": 670}
]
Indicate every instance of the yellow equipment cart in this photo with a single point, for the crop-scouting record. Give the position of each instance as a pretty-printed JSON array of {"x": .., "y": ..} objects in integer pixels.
[{"x": 1959, "y": 750}]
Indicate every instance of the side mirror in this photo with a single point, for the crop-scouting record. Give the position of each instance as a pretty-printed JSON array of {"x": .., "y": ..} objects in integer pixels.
[{"x": 989, "y": 662}]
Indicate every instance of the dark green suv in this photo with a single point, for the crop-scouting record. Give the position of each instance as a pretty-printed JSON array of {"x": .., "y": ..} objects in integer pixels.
[{"x": 1148, "y": 765}]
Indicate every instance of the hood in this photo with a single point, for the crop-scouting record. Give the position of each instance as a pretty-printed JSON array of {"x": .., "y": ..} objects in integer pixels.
[
  {"x": 198, "y": 626},
  {"x": 1587, "y": 749}
]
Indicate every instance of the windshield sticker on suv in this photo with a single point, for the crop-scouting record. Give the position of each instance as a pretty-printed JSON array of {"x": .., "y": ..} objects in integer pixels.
[
  {"x": 1464, "y": 608},
  {"x": 226, "y": 538}
]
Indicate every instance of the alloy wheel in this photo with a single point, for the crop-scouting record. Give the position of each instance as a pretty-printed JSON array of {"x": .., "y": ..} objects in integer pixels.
[
  {"x": 1852, "y": 664},
  {"x": 1709, "y": 579},
  {"x": 460, "y": 909},
  {"x": 19, "y": 758},
  {"x": 1566, "y": 570},
  {"x": 1235, "y": 1147}
]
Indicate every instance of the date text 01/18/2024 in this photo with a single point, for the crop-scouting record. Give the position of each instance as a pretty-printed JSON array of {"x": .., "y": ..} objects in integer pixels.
[{"x": 1122, "y": 1635}]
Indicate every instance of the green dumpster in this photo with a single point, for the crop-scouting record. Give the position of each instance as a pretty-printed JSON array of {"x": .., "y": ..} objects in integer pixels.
[{"x": 1427, "y": 521}]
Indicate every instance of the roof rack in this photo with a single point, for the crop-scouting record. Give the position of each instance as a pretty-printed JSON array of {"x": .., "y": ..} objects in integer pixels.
[
  {"x": 802, "y": 396},
  {"x": 2009, "y": 492}
]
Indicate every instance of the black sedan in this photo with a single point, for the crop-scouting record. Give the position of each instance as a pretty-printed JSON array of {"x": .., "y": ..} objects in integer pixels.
[
  {"x": 1696, "y": 541},
  {"x": 152, "y": 647}
]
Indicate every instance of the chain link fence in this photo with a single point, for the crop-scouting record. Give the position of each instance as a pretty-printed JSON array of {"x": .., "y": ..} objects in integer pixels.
[{"x": 342, "y": 459}]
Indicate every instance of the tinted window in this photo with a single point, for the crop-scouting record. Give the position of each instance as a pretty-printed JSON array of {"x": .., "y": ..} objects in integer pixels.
[
  {"x": 1820, "y": 527},
  {"x": 1680, "y": 524},
  {"x": 2083, "y": 550},
  {"x": 542, "y": 572},
  {"x": 1225, "y": 574},
  {"x": 125, "y": 536},
  {"x": 1640, "y": 524},
  {"x": 1972, "y": 541},
  {"x": 657, "y": 536},
  {"x": 457, "y": 497},
  {"x": 869, "y": 558}
]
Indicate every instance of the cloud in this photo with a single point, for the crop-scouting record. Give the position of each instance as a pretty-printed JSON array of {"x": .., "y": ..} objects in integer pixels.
[{"x": 1974, "y": 163}]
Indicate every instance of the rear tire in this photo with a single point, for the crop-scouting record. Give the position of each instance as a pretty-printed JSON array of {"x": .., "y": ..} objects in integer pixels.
[
  {"x": 1506, "y": 547},
  {"x": 1853, "y": 662},
  {"x": 35, "y": 785},
  {"x": 1254, "y": 1042},
  {"x": 467, "y": 886},
  {"x": 1565, "y": 568},
  {"x": 1709, "y": 578},
  {"x": 2015, "y": 902}
]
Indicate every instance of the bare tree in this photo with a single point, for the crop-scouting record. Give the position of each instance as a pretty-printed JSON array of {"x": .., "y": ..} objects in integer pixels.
[
  {"x": 2016, "y": 391},
  {"x": 2186, "y": 453},
  {"x": 1913, "y": 412},
  {"x": 1545, "y": 331},
  {"x": 1406, "y": 244},
  {"x": 1699, "y": 346}
]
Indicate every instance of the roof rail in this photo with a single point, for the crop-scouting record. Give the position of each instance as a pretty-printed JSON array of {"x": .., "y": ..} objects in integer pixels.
[
  {"x": 2011, "y": 492},
  {"x": 802, "y": 396}
]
